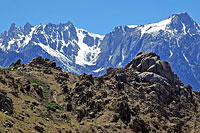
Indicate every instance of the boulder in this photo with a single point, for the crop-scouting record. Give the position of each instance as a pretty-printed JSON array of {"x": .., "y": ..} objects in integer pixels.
[
  {"x": 138, "y": 125},
  {"x": 122, "y": 77},
  {"x": 80, "y": 114},
  {"x": 111, "y": 70},
  {"x": 65, "y": 89},
  {"x": 87, "y": 78},
  {"x": 60, "y": 77},
  {"x": 69, "y": 107},
  {"x": 39, "y": 129},
  {"x": 6, "y": 104},
  {"x": 48, "y": 71},
  {"x": 124, "y": 111},
  {"x": 152, "y": 77},
  {"x": 36, "y": 61},
  {"x": 150, "y": 62},
  {"x": 38, "y": 90},
  {"x": 2, "y": 80},
  {"x": 142, "y": 60},
  {"x": 51, "y": 64},
  {"x": 146, "y": 63}
]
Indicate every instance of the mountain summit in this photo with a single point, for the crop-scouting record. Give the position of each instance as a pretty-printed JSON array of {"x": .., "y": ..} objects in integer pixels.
[
  {"x": 174, "y": 39},
  {"x": 76, "y": 50},
  {"x": 184, "y": 23}
]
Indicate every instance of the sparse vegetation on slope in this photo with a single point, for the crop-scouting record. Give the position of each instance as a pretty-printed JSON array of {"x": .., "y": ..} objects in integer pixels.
[{"x": 145, "y": 96}]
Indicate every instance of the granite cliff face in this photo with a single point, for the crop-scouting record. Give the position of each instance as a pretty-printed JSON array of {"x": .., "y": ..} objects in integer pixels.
[
  {"x": 175, "y": 39},
  {"x": 72, "y": 48},
  {"x": 144, "y": 96}
]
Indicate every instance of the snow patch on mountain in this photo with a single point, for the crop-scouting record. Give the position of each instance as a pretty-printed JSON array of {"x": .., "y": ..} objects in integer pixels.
[
  {"x": 184, "y": 28},
  {"x": 54, "y": 53},
  {"x": 95, "y": 35},
  {"x": 98, "y": 70},
  {"x": 123, "y": 58},
  {"x": 198, "y": 27},
  {"x": 185, "y": 58},
  {"x": 155, "y": 27},
  {"x": 110, "y": 57},
  {"x": 170, "y": 53},
  {"x": 29, "y": 36},
  {"x": 177, "y": 41},
  {"x": 132, "y": 26},
  {"x": 87, "y": 55}
]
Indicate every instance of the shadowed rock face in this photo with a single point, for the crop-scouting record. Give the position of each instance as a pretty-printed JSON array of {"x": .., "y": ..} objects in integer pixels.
[
  {"x": 144, "y": 96},
  {"x": 6, "y": 104}
]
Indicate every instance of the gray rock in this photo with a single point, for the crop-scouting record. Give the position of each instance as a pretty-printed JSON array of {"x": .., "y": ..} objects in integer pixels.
[
  {"x": 152, "y": 77},
  {"x": 124, "y": 112},
  {"x": 6, "y": 104}
]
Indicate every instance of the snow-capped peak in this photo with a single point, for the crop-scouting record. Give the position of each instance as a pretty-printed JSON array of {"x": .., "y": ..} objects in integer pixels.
[
  {"x": 59, "y": 41},
  {"x": 154, "y": 27},
  {"x": 178, "y": 23}
]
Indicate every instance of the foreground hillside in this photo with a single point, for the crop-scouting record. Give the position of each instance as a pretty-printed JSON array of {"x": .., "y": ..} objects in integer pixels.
[{"x": 144, "y": 96}]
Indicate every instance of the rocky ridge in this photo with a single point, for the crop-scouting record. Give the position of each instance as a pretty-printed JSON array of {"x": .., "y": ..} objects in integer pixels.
[{"x": 144, "y": 96}]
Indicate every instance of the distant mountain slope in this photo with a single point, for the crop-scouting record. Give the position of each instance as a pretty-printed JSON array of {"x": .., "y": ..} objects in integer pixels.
[
  {"x": 71, "y": 47},
  {"x": 176, "y": 40}
]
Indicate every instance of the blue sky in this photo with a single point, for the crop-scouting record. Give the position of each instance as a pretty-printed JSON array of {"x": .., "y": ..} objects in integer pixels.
[{"x": 98, "y": 16}]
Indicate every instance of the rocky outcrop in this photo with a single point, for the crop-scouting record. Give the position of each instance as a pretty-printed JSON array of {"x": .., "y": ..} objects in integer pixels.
[
  {"x": 36, "y": 63},
  {"x": 152, "y": 68},
  {"x": 39, "y": 61},
  {"x": 17, "y": 63},
  {"x": 6, "y": 104}
]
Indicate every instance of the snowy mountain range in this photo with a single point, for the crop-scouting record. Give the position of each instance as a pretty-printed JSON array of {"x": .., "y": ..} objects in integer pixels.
[{"x": 176, "y": 40}]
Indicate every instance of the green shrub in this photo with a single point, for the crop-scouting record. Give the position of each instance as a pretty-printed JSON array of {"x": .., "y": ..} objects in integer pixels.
[
  {"x": 13, "y": 68},
  {"x": 53, "y": 106},
  {"x": 38, "y": 82},
  {"x": 41, "y": 67}
]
